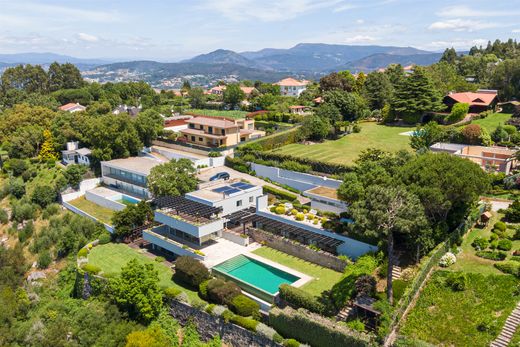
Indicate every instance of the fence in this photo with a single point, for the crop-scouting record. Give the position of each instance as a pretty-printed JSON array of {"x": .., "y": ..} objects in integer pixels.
[{"x": 425, "y": 267}]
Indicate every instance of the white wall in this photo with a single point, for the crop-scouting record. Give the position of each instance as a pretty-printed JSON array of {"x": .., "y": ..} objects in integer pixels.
[
  {"x": 104, "y": 201},
  {"x": 77, "y": 211},
  {"x": 229, "y": 203},
  {"x": 83, "y": 187},
  {"x": 194, "y": 230},
  {"x": 169, "y": 245}
]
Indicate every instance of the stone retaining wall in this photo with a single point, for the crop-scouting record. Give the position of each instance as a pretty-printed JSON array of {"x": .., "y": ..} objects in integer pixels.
[
  {"x": 209, "y": 326},
  {"x": 297, "y": 249}
]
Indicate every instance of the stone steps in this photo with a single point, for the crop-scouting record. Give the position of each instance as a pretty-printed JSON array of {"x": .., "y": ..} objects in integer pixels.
[
  {"x": 509, "y": 329},
  {"x": 396, "y": 272}
]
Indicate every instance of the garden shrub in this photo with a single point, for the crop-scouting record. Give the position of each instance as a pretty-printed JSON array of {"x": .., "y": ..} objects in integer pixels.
[
  {"x": 105, "y": 238},
  {"x": 512, "y": 213},
  {"x": 279, "y": 209},
  {"x": 515, "y": 258},
  {"x": 457, "y": 281},
  {"x": 171, "y": 292},
  {"x": 280, "y": 194},
  {"x": 4, "y": 218},
  {"x": 314, "y": 329},
  {"x": 227, "y": 315},
  {"x": 294, "y": 212},
  {"x": 159, "y": 259},
  {"x": 458, "y": 112},
  {"x": 267, "y": 331},
  {"x": 365, "y": 285},
  {"x": 516, "y": 236},
  {"x": 298, "y": 298},
  {"x": 291, "y": 343},
  {"x": 244, "y": 322},
  {"x": 510, "y": 267},
  {"x": 209, "y": 308},
  {"x": 91, "y": 268},
  {"x": 356, "y": 325},
  {"x": 399, "y": 286},
  {"x": 51, "y": 210},
  {"x": 501, "y": 226},
  {"x": 244, "y": 306},
  {"x": 491, "y": 255},
  {"x": 480, "y": 243},
  {"x": 292, "y": 165},
  {"x": 447, "y": 259},
  {"x": 44, "y": 259},
  {"x": 222, "y": 292},
  {"x": 505, "y": 245},
  {"x": 203, "y": 290},
  {"x": 83, "y": 253},
  {"x": 300, "y": 217},
  {"x": 190, "y": 271}
]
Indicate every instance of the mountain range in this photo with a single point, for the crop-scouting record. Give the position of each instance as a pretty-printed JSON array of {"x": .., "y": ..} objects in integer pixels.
[{"x": 305, "y": 60}]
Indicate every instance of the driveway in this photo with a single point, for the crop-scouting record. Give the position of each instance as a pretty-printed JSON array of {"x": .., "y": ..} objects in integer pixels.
[{"x": 205, "y": 174}]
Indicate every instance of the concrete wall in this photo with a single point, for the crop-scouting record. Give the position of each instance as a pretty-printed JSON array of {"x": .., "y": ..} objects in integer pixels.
[
  {"x": 105, "y": 202},
  {"x": 193, "y": 230},
  {"x": 350, "y": 247},
  {"x": 229, "y": 203},
  {"x": 76, "y": 210},
  {"x": 236, "y": 238},
  {"x": 297, "y": 180},
  {"x": 209, "y": 326},
  {"x": 188, "y": 149},
  {"x": 83, "y": 187},
  {"x": 297, "y": 249}
]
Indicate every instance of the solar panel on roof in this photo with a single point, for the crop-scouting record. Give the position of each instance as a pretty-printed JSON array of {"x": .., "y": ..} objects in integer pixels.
[
  {"x": 232, "y": 191},
  {"x": 246, "y": 186},
  {"x": 236, "y": 185},
  {"x": 221, "y": 189}
]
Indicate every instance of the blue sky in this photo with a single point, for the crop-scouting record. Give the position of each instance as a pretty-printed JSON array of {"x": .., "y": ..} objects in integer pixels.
[{"x": 173, "y": 30}]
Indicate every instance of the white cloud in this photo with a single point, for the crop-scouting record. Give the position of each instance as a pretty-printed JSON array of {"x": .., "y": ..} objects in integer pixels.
[
  {"x": 465, "y": 11},
  {"x": 459, "y": 24},
  {"x": 87, "y": 37},
  {"x": 457, "y": 44},
  {"x": 360, "y": 21},
  {"x": 515, "y": 31},
  {"x": 266, "y": 10},
  {"x": 360, "y": 39},
  {"x": 343, "y": 8}
]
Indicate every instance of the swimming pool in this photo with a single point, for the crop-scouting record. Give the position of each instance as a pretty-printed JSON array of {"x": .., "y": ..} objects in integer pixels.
[
  {"x": 255, "y": 277},
  {"x": 127, "y": 200}
]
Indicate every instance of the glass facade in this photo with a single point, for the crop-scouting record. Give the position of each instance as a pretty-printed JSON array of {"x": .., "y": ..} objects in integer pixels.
[{"x": 126, "y": 176}]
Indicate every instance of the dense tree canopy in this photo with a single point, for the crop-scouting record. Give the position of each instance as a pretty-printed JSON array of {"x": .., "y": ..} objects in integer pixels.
[{"x": 174, "y": 178}]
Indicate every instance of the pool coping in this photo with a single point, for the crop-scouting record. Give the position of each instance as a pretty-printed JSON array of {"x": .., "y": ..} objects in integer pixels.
[{"x": 303, "y": 278}]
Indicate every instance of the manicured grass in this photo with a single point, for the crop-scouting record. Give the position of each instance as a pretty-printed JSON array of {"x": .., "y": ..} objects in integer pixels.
[
  {"x": 113, "y": 256},
  {"x": 515, "y": 341},
  {"x": 323, "y": 280},
  {"x": 347, "y": 149},
  {"x": 103, "y": 214},
  {"x": 218, "y": 113},
  {"x": 491, "y": 122},
  {"x": 451, "y": 318}
]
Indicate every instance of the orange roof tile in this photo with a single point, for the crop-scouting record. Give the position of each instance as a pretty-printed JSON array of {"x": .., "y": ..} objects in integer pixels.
[{"x": 474, "y": 99}]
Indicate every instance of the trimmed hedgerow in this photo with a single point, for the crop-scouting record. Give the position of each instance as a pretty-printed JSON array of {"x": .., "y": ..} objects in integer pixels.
[
  {"x": 190, "y": 271},
  {"x": 314, "y": 329},
  {"x": 280, "y": 194},
  {"x": 83, "y": 253},
  {"x": 298, "y": 298},
  {"x": 244, "y": 306},
  {"x": 510, "y": 267},
  {"x": 171, "y": 292},
  {"x": 492, "y": 255},
  {"x": 244, "y": 322},
  {"x": 505, "y": 245},
  {"x": 90, "y": 268}
]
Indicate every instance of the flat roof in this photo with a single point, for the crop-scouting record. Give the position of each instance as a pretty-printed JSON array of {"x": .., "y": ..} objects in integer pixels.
[
  {"x": 141, "y": 165},
  {"x": 212, "y": 121},
  {"x": 221, "y": 191},
  {"x": 448, "y": 146},
  {"x": 324, "y": 191}
]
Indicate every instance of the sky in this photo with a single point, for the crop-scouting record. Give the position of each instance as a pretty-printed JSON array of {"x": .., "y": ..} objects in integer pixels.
[{"x": 171, "y": 30}]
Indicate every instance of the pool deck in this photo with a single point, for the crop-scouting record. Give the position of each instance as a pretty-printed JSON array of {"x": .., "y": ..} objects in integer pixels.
[{"x": 303, "y": 278}]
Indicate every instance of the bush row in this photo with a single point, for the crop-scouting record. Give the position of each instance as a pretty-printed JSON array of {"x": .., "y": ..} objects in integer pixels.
[
  {"x": 298, "y": 298},
  {"x": 276, "y": 140},
  {"x": 314, "y": 329},
  {"x": 492, "y": 255},
  {"x": 510, "y": 267},
  {"x": 318, "y": 166}
]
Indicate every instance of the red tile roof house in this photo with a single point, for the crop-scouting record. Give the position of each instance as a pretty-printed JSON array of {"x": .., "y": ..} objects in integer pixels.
[
  {"x": 219, "y": 90},
  {"x": 292, "y": 87},
  {"x": 72, "y": 107},
  {"x": 482, "y": 100}
]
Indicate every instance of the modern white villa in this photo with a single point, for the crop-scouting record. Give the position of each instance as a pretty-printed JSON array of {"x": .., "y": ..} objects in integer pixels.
[
  {"x": 75, "y": 155},
  {"x": 292, "y": 87}
]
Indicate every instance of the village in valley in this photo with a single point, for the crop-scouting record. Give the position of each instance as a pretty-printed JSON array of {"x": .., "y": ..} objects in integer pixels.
[{"x": 367, "y": 207}]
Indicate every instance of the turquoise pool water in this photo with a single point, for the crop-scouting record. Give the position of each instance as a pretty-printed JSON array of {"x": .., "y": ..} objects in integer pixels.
[
  {"x": 128, "y": 200},
  {"x": 252, "y": 272}
]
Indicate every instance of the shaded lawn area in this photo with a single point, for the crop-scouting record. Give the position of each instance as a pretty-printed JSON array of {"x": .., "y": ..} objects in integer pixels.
[
  {"x": 111, "y": 257},
  {"x": 218, "y": 113},
  {"x": 348, "y": 148},
  {"x": 491, "y": 122},
  {"x": 103, "y": 214},
  {"x": 451, "y": 318},
  {"x": 323, "y": 280},
  {"x": 467, "y": 261}
]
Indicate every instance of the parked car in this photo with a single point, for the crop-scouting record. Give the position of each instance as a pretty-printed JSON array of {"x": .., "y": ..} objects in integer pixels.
[{"x": 220, "y": 176}]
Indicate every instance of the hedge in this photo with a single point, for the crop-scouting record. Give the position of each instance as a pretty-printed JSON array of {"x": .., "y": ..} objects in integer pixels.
[
  {"x": 90, "y": 268},
  {"x": 190, "y": 271},
  {"x": 316, "y": 165},
  {"x": 244, "y": 306},
  {"x": 276, "y": 140},
  {"x": 244, "y": 322},
  {"x": 83, "y": 253},
  {"x": 492, "y": 255},
  {"x": 298, "y": 298},
  {"x": 222, "y": 292},
  {"x": 280, "y": 194},
  {"x": 510, "y": 267},
  {"x": 171, "y": 292},
  {"x": 314, "y": 329}
]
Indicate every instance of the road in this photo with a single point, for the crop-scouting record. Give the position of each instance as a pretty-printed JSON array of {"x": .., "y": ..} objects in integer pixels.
[{"x": 205, "y": 175}]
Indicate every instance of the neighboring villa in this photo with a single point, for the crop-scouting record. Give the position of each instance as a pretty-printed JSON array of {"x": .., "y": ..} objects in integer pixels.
[
  {"x": 72, "y": 107},
  {"x": 219, "y": 90},
  {"x": 219, "y": 131},
  {"x": 292, "y": 87},
  {"x": 480, "y": 101},
  {"x": 75, "y": 155},
  {"x": 498, "y": 159},
  {"x": 129, "y": 175},
  {"x": 300, "y": 110},
  {"x": 132, "y": 111},
  {"x": 176, "y": 123}
]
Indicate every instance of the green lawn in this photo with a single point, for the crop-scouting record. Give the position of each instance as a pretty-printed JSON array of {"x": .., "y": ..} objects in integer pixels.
[
  {"x": 492, "y": 121},
  {"x": 323, "y": 280},
  {"x": 347, "y": 149},
  {"x": 218, "y": 113},
  {"x": 451, "y": 318},
  {"x": 103, "y": 214},
  {"x": 113, "y": 256}
]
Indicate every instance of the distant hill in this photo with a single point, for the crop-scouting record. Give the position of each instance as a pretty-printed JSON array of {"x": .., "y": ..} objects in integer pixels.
[
  {"x": 46, "y": 58},
  {"x": 222, "y": 56},
  {"x": 382, "y": 60}
]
